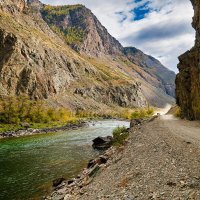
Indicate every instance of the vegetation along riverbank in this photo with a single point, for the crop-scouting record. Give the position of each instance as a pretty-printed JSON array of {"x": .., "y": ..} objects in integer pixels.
[{"x": 20, "y": 116}]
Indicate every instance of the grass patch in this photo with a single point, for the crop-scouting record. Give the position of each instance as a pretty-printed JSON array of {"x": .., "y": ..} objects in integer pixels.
[
  {"x": 120, "y": 135},
  {"x": 142, "y": 113},
  {"x": 107, "y": 71},
  {"x": 117, "y": 112},
  {"x": 9, "y": 127},
  {"x": 177, "y": 112},
  {"x": 57, "y": 12},
  {"x": 16, "y": 127},
  {"x": 111, "y": 113},
  {"x": 72, "y": 35},
  {"x": 15, "y": 110}
]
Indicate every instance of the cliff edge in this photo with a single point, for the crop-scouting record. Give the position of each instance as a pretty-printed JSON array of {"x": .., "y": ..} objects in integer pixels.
[{"x": 188, "y": 79}]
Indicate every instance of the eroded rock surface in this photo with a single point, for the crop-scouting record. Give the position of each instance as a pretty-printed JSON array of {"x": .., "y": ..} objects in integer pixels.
[{"x": 188, "y": 80}]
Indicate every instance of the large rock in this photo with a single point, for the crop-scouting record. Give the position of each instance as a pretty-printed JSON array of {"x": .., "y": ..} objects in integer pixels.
[
  {"x": 188, "y": 79},
  {"x": 135, "y": 122},
  {"x": 100, "y": 160},
  {"x": 102, "y": 143},
  {"x": 58, "y": 181}
]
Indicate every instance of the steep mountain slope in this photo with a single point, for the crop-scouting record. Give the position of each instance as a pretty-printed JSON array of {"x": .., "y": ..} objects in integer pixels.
[
  {"x": 81, "y": 29},
  {"x": 36, "y": 60},
  {"x": 153, "y": 67},
  {"x": 188, "y": 80}
]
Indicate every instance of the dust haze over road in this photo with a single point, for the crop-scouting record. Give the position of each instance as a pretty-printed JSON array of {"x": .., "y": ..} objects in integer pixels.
[
  {"x": 188, "y": 130},
  {"x": 163, "y": 111}
]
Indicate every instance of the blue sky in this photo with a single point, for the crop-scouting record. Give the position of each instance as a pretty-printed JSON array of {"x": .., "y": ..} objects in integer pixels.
[
  {"x": 161, "y": 28},
  {"x": 141, "y": 11}
]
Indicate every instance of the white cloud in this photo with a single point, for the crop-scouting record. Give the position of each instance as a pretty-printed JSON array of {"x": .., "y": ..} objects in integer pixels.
[{"x": 165, "y": 33}]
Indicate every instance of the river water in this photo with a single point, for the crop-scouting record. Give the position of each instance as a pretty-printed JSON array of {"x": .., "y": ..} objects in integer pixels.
[{"x": 28, "y": 165}]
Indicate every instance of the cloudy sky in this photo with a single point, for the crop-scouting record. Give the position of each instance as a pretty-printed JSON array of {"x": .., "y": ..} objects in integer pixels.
[{"x": 161, "y": 28}]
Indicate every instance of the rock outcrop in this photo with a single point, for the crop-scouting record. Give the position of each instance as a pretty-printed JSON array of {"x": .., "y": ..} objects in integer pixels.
[
  {"x": 188, "y": 79},
  {"x": 12, "y": 6},
  {"x": 102, "y": 143},
  {"x": 88, "y": 36}
]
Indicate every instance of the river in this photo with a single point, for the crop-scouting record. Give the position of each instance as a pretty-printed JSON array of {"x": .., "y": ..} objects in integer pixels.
[{"x": 28, "y": 165}]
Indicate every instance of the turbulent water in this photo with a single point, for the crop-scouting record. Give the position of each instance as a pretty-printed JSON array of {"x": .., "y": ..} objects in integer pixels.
[{"x": 29, "y": 164}]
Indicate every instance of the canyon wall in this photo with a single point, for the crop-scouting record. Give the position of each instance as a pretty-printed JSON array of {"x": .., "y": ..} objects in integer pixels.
[{"x": 188, "y": 79}]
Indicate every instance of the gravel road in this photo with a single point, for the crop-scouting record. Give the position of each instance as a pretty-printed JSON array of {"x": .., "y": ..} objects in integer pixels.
[{"x": 182, "y": 128}]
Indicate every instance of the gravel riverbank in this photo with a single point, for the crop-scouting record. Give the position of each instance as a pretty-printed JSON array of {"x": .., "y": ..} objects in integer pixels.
[{"x": 31, "y": 131}]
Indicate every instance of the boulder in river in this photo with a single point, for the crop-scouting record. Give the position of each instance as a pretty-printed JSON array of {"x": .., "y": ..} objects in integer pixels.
[
  {"x": 135, "y": 122},
  {"x": 100, "y": 160},
  {"x": 102, "y": 143},
  {"x": 58, "y": 181}
]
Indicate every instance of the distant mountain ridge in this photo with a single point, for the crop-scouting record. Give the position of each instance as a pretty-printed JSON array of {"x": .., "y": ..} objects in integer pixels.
[
  {"x": 154, "y": 68},
  {"x": 37, "y": 44}
]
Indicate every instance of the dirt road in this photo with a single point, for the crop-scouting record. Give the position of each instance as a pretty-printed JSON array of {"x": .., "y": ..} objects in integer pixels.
[{"x": 187, "y": 130}]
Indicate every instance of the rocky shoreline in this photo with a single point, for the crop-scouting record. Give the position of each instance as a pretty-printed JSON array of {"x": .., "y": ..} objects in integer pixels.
[
  {"x": 70, "y": 189},
  {"x": 67, "y": 189},
  {"x": 31, "y": 131}
]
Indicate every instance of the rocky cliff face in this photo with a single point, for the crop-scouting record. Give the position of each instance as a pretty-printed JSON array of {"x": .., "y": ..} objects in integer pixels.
[
  {"x": 12, "y": 6},
  {"x": 36, "y": 58},
  {"x": 188, "y": 79}
]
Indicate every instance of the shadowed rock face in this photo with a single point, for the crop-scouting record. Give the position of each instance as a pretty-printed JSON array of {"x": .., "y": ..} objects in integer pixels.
[
  {"x": 153, "y": 67},
  {"x": 188, "y": 79}
]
